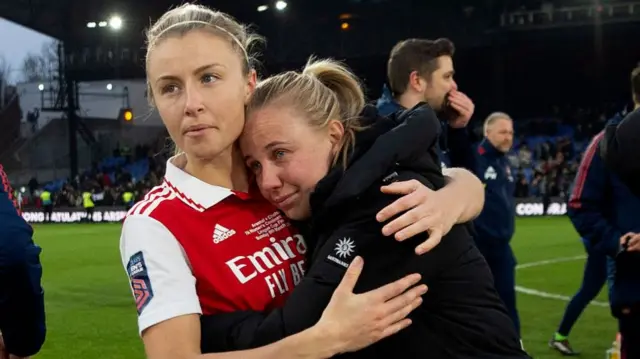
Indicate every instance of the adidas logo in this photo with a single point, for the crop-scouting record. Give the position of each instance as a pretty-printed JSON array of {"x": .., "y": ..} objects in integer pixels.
[{"x": 221, "y": 233}]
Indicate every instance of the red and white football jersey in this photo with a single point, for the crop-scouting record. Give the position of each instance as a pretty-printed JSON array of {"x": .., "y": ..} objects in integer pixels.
[{"x": 190, "y": 247}]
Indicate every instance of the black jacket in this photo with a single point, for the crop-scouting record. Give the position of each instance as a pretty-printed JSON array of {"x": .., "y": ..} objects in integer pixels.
[
  {"x": 455, "y": 147},
  {"x": 461, "y": 316},
  {"x": 620, "y": 150},
  {"x": 608, "y": 205}
]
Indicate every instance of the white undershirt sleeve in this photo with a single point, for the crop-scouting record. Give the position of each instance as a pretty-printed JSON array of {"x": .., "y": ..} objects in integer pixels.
[{"x": 161, "y": 280}]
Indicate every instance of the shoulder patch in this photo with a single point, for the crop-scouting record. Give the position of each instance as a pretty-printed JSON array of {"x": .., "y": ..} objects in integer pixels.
[
  {"x": 343, "y": 252},
  {"x": 140, "y": 282}
]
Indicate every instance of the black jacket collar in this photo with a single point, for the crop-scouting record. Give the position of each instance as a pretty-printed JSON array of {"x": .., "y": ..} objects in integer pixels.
[{"x": 404, "y": 140}]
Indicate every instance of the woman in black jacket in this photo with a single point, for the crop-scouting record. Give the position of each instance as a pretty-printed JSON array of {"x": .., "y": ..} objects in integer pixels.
[{"x": 321, "y": 155}]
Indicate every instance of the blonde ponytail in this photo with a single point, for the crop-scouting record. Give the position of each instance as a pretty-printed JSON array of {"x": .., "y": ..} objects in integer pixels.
[
  {"x": 344, "y": 84},
  {"x": 325, "y": 90}
]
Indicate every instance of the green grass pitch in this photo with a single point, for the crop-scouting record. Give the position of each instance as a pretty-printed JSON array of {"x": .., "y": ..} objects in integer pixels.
[{"x": 91, "y": 313}]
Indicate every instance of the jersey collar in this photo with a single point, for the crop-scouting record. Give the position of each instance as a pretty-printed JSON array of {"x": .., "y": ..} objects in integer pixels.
[
  {"x": 190, "y": 190},
  {"x": 486, "y": 147}
]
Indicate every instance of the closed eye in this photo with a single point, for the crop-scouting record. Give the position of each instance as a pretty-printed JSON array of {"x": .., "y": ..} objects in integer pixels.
[{"x": 254, "y": 166}]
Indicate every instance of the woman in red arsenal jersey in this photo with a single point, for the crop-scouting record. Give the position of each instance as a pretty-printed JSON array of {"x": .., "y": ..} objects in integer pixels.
[{"x": 206, "y": 241}]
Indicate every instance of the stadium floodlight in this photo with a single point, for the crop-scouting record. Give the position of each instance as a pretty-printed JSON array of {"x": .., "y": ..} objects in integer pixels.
[
  {"x": 126, "y": 116},
  {"x": 281, "y": 5},
  {"x": 102, "y": 24},
  {"x": 109, "y": 87},
  {"x": 41, "y": 87},
  {"x": 115, "y": 22},
  {"x": 262, "y": 8},
  {"x": 91, "y": 24}
]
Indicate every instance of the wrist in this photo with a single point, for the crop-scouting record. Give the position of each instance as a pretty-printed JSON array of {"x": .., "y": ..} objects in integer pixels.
[
  {"x": 323, "y": 342},
  {"x": 454, "y": 206}
]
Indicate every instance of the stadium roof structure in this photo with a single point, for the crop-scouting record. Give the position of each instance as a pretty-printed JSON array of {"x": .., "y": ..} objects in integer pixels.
[
  {"x": 346, "y": 29},
  {"x": 67, "y": 19},
  {"x": 59, "y": 18},
  {"x": 304, "y": 26}
]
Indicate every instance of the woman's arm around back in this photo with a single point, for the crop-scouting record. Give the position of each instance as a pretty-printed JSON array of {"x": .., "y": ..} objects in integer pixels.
[{"x": 349, "y": 323}]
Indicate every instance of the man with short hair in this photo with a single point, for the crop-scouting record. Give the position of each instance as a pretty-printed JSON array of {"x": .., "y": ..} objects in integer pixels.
[
  {"x": 592, "y": 178},
  {"x": 420, "y": 70},
  {"x": 496, "y": 223},
  {"x": 620, "y": 147},
  {"x": 605, "y": 209}
]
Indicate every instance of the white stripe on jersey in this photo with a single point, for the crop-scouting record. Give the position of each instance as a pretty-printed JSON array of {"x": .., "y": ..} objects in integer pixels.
[
  {"x": 164, "y": 196},
  {"x": 151, "y": 201}
]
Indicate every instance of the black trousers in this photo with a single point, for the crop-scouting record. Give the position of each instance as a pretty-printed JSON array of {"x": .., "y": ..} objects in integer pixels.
[
  {"x": 503, "y": 267},
  {"x": 629, "y": 326},
  {"x": 48, "y": 211}
]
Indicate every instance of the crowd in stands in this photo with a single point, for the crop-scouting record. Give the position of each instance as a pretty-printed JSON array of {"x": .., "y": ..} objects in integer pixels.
[
  {"x": 547, "y": 169},
  {"x": 136, "y": 171},
  {"x": 544, "y": 161}
]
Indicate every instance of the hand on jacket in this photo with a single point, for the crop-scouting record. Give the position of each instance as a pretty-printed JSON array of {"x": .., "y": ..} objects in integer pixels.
[
  {"x": 355, "y": 321},
  {"x": 630, "y": 241},
  {"x": 425, "y": 214}
]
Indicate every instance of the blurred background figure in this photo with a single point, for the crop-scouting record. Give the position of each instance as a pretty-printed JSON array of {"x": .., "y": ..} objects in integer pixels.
[
  {"x": 22, "y": 317},
  {"x": 496, "y": 224}
]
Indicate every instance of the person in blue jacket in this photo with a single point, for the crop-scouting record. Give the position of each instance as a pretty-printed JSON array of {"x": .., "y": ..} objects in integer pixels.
[
  {"x": 594, "y": 278},
  {"x": 22, "y": 315},
  {"x": 420, "y": 70},
  {"x": 607, "y": 214},
  {"x": 496, "y": 223}
]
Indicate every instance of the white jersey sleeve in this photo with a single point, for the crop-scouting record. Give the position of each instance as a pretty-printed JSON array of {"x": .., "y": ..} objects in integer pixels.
[{"x": 161, "y": 280}]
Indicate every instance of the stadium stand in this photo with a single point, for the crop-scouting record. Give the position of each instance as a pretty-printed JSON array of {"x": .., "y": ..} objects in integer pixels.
[
  {"x": 124, "y": 170},
  {"x": 545, "y": 158}
]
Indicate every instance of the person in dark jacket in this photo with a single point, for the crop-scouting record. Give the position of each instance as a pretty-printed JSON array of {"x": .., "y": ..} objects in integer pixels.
[
  {"x": 22, "y": 316},
  {"x": 321, "y": 158},
  {"x": 420, "y": 70},
  {"x": 607, "y": 214},
  {"x": 593, "y": 279},
  {"x": 496, "y": 224},
  {"x": 620, "y": 149},
  {"x": 620, "y": 146}
]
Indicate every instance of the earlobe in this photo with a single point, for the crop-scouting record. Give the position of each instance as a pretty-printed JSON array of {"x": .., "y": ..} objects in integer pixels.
[
  {"x": 336, "y": 132},
  {"x": 415, "y": 81},
  {"x": 252, "y": 81}
]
